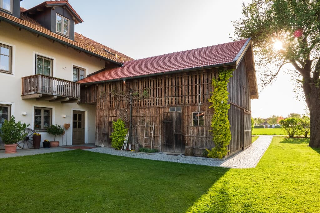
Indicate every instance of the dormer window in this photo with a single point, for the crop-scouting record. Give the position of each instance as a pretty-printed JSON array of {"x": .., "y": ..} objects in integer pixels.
[
  {"x": 6, "y": 5},
  {"x": 63, "y": 25}
]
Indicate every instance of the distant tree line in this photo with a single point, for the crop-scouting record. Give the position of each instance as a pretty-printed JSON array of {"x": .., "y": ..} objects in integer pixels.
[{"x": 294, "y": 125}]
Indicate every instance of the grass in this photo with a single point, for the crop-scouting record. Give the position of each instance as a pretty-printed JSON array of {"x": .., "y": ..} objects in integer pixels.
[
  {"x": 254, "y": 138},
  {"x": 268, "y": 131},
  {"x": 285, "y": 180}
]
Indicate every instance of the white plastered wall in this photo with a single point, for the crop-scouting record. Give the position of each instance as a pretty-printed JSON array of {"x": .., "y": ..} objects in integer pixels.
[{"x": 25, "y": 46}]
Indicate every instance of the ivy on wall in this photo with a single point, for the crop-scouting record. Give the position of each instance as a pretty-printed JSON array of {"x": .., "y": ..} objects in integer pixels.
[{"x": 220, "y": 123}]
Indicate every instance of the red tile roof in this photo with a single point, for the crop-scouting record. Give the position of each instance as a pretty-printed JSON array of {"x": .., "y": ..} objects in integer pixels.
[
  {"x": 216, "y": 55},
  {"x": 80, "y": 42},
  {"x": 52, "y": 3}
]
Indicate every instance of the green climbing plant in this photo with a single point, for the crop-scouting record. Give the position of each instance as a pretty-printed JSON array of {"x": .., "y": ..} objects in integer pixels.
[
  {"x": 220, "y": 123},
  {"x": 119, "y": 134}
]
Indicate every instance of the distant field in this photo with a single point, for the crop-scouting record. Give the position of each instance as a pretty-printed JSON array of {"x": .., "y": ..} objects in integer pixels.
[{"x": 268, "y": 131}]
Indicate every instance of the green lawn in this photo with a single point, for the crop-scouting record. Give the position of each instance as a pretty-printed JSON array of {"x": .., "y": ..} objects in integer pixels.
[
  {"x": 268, "y": 131},
  {"x": 285, "y": 180},
  {"x": 254, "y": 138}
]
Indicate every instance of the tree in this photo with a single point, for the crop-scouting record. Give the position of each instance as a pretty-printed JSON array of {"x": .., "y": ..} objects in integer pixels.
[
  {"x": 273, "y": 120},
  {"x": 287, "y": 31},
  {"x": 294, "y": 115}
]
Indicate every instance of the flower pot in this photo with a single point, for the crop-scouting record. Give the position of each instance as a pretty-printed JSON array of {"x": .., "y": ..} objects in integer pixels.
[
  {"x": 54, "y": 143},
  {"x": 10, "y": 148},
  {"x": 36, "y": 141},
  {"x": 46, "y": 144}
]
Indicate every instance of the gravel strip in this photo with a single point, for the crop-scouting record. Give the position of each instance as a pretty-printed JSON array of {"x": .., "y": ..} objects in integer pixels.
[
  {"x": 25, "y": 152},
  {"x": 248, "y": 158}
]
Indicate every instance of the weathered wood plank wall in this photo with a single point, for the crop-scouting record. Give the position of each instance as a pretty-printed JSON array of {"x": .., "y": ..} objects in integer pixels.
[{"x": 163, "y": 108}]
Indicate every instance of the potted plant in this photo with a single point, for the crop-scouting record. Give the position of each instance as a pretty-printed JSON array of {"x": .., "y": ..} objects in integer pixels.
[
  {"x": 36, "y": 140},
  {"x": 12, "y": 132},
  {"x": 55, "y": 130},
  {"x": 46, "y": 144}
]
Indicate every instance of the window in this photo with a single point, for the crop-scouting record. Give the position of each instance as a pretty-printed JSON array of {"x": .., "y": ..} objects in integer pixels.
[
  {"x": 5, "y": 113},
  {"x": 198, "y": 118},
  {"x": 175, "y": 109},
  {"x": 62, "y": 25},
  {"x": 43, "y": 65},
  {"x": 42, "y": 118},
  {"x": 5, "y": 58},
  {"x": 6, "y": 5},
  {"x": 78, "y": 73}
]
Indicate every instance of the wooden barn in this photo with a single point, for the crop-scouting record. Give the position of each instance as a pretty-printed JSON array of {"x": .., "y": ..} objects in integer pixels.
[{"x": 167, "y": 98}]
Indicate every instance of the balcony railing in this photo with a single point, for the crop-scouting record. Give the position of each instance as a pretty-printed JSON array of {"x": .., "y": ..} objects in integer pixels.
[{"x": 43, "y": 87}]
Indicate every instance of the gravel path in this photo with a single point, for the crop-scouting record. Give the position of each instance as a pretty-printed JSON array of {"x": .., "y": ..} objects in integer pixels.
[
  {"x": 248, "y": 158},
  {"x": 25, "y": 152}
]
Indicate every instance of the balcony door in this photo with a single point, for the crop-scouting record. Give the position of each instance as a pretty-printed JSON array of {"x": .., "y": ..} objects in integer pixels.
[{"x": 78, "y": 128}]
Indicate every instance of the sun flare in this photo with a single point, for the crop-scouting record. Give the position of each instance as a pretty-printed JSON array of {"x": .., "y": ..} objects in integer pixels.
[{"x": 278, "y": 45}]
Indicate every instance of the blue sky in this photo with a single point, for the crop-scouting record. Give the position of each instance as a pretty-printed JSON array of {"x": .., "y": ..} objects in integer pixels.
[{"x": 143, "y": 28}]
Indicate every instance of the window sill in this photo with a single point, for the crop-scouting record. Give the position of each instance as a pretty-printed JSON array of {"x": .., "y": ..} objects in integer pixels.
[
  {"x": 67, "y": 36},
  {"x": 6, "y": 72}
]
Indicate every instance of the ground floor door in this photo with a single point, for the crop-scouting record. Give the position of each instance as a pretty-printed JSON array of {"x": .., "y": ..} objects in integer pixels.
[
  {"x": 247, "y": 140},
  {"x": 78, "y": 128},
  {"x": 4, "y": 115},
  {"x": 173, "y": 140}
]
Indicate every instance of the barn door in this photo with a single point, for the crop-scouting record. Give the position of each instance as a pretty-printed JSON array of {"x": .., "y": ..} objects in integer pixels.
[
  {"x": 247, "y": 130},
  {"x": 172, "y": 132}
]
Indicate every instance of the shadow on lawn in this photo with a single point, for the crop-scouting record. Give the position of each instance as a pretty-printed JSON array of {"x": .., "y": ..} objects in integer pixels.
[{"x": 296, "y": 140}]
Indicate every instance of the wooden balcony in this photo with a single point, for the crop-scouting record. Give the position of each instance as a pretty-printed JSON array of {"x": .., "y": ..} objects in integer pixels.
[{"x": 48, "y": 88}]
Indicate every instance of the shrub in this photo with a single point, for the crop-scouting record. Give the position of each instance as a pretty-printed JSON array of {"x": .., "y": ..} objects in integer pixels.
[
  {"x": 147, "y": 150},
  {"x": 55, "y": 130},
  {"x": 252, "y": 124},
  {"x": 291, "y": 126},
  {"x": 119, "y": 134},
  {"x": 12, "y": 132}
]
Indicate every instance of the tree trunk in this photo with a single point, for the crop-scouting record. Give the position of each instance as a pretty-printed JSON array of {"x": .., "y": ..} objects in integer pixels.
[{"x": 314, "y": 107}]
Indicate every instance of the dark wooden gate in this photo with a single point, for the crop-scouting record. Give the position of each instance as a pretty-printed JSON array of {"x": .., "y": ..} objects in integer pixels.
[{"x": 173, "y": 140}]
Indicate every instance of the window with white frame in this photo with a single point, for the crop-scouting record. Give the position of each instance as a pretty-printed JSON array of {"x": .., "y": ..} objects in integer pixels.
[
  {"x": 78, "y": 73},
  {"x": 5, "y": 58},
  {"x": 6, "y": 5},
  {"x": 63, "y": 25},
  {"x": 43, "y": 65},
  {"x": 42, "y": 118},
  {"x": 198, "y": 118}
]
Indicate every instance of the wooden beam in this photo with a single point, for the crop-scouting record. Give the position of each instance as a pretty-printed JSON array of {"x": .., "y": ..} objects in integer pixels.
[
  {"x": 33, "y": 96},
  {"x": 47, "y": 98},
  {"x": 71, "y": 100},
  {"x": 62, "y": 99}
]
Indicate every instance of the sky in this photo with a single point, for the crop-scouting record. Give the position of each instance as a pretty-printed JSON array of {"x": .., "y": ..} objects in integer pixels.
[{"x": 144, "y": 28}]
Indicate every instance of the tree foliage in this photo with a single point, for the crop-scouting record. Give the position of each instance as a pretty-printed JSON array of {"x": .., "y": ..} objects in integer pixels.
[{"x": 296, "y": 23}]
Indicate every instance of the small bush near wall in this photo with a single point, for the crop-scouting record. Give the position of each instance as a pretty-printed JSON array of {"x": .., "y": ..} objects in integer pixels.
[{"x": 119, "y": 134}]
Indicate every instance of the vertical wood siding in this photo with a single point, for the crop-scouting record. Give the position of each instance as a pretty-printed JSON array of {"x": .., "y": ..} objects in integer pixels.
[{"x": 155, "y": 118}]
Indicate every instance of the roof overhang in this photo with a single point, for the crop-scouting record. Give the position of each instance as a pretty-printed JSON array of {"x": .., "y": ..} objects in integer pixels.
[{"x": 57, "y": 40}]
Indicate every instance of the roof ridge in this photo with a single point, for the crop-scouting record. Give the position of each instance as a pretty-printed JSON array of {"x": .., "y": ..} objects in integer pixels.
[{"x": 187, "y": 50}]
